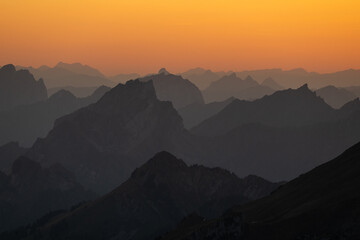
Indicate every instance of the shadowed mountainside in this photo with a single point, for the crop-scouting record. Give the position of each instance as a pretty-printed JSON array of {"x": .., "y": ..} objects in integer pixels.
[
  {"x": 321, "y": 204},
  {"x": 19, "y": 88},
  {"x": 335, "y": 97},
  {"x": 26, "y": 123},
  {"x": 154, "y": 199}
]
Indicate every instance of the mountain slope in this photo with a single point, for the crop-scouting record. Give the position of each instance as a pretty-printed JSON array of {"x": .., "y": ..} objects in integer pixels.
[
  {"x": 8, "y": 154},
  {"x": 154, "y": 199},
  {"x": 26, "y": 123},
  {"x": 19, "y": 88},
  {"x": 335, "y": 97},
  {"x": 321, "y": 204},
  {"x": 169, "y": 87},
  {"x": 108, "y": 139},
  {"x": 194, "y": 114},
  {"x": 283, "y": 108},
  {"x": 30, "y": 191}
]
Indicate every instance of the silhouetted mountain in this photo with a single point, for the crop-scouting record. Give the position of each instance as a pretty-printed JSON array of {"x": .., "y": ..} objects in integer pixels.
[
  {"x": 271, "y": 83},
  {"x": 8, "y": 154},
  {"x": 123, "y": 78},
  {"x": 19, "y": 88},
  {"x": 195, "y": 113},
  {"x": 169, "y": 87},
  {"x": 335, "y": 97},
  {"x": 232, "y": 86},
  {"x": 30, "y": 191},
  {"x": 283, "y": 108},
  {"x": 108, "y": 139},
  {"x": 80, "y": 69},
  {"x": 297, "y": 77},
  {"x": 202, "y": 78},
  {"x": 79, "y": 92},
  {"x": 321, "y": 204},
  {"x": 26, "y": 123},
  {"x": 75, "y": 75},
  {"x": 154, "y": 199}
]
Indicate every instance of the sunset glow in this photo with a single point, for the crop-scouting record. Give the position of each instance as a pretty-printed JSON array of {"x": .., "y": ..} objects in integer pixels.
[{"x": 142, "y": 36}]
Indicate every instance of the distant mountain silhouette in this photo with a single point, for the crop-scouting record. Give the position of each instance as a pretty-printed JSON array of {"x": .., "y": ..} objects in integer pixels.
[
  {"x": 335, "y": 97},
  {"x": 19, "y": 88},
  {"x": 321, "y": 204},
  {"x": 80, "y": 69},
  {"x": 63, "y": 75},
  {"x": 108, "y": 139},
  {"x": 297, "y": 77},
  {"x": 232, "y": 86},
  {"x": 8, "y": 154},
  {"x": 202, "y": 78},
  {"x": 123, "y": 78},
  {"x": 31, "y": 191},
  {"x": 26, "y": 123},
  {"x": 283, "y": 108},
  {"x": 79, "y": 92},
  {"x": 154, "y": 199},
  {"x": 271, "y": 83},
  {"x": 169, "y": 87},
  {"x": 195, "y": 113}
]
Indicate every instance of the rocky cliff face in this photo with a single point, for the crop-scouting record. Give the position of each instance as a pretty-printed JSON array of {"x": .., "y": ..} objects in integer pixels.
[{"x": 19, "y": 88}]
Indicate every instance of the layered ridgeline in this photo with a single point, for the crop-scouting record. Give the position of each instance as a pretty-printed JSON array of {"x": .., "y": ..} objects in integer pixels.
[
  {"x": 233, "y": 86},
  {"x": 202, "y": 78},
  {"x": 297, "y": 77},
  {"x": 19, "y": 88},
  {"x": 26, "y": 123},
  {"x": 152, "y": 201},
  {"x": 64, "y": 75},
  {"x": 169, "y": 87},
  {"x": 8, "y": 154},
  {"x": 335, "y": 97},
  {"x": 291, "y": 107},
  {"x": 321, "y": 204},
  {"x": 102, "y": 143},
  {"x": 30, "y": 191}
]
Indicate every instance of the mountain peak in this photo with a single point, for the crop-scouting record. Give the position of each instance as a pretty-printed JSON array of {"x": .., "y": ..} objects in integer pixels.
[
  {"x": 163, "y": 71},
  {"x": 249, "y": 78},
  {"x": 8, "y": 68}
]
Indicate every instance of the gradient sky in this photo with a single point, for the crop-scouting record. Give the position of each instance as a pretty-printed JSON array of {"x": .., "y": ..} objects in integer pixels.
[{"x": 142, "y": 35}]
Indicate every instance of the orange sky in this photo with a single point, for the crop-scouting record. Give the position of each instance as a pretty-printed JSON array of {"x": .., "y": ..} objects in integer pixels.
[{"x": 142, "y": 35}]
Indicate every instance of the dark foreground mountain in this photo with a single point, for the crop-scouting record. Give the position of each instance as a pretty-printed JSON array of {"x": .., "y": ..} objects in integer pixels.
[
  {"x": 292, "y": 107},
  {"x": 63, "y": 74},
  {"x": 335, "y": 97},
  {"x": 26, "y": 123},
  {"x": 153, "y": 200},
  {"x": 321, "y": 204},
  {"x": 233, "y": 86},
  {"x": 169, "y": 87},
  {"x": 8, "y": 154},
  {"x": 19, "y": 88},
  {"x": 195, "y": 113},
  {"x": 103, "y": 142},
  {"x": 31, "y": 191}
]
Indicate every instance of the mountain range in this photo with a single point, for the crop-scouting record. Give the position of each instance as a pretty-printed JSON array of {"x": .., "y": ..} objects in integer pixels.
[
  {"x": 233, "y": 86},
  {"x": 321, "y": 204},
  {"x": 64, "y": 75},
  {"x": 153, "y": 200},
  {"x": 335, "y": 97}
]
